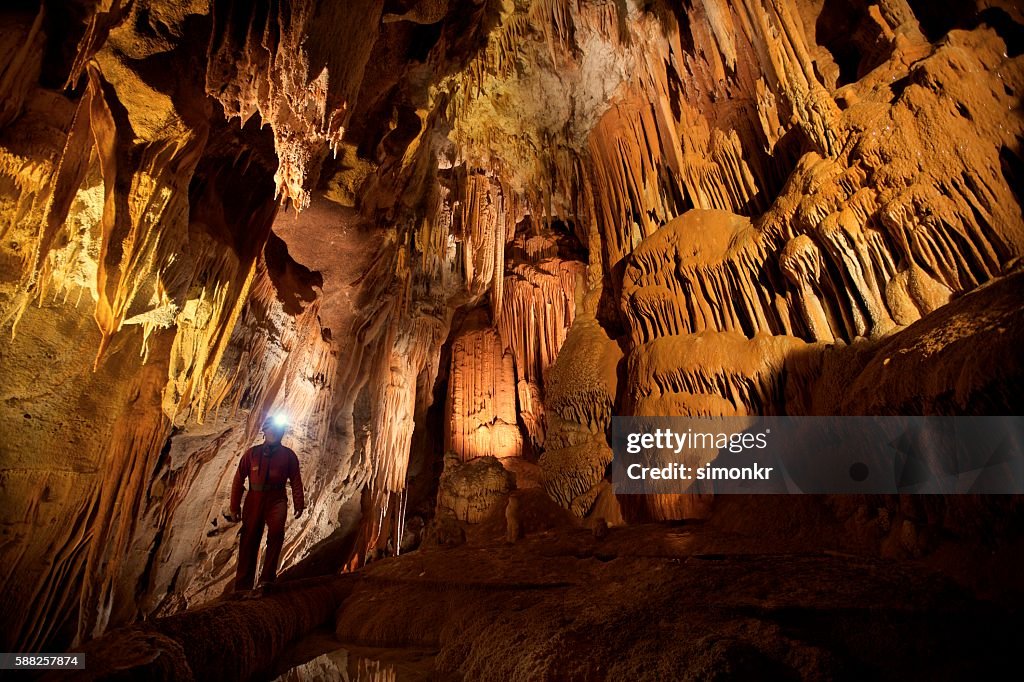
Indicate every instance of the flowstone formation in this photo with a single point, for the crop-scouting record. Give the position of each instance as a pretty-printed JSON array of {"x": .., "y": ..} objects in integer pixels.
[{"x": 475, "y": 227}]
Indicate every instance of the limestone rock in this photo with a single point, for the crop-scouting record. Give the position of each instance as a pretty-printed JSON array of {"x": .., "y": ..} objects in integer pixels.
[
  {"x": 469, "y": 491},
  {"x": 581, "y": 390}
]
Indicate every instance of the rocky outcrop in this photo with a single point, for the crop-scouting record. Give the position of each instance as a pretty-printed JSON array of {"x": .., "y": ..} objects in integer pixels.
[{"x": 470, "y": 491}]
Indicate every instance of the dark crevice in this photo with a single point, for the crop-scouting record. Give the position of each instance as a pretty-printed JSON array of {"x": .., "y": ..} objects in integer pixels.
[{"x": 1013, "y": 169}]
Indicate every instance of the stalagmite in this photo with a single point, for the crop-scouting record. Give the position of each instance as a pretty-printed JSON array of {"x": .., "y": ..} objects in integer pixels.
[{"x": 580, "y": 394}]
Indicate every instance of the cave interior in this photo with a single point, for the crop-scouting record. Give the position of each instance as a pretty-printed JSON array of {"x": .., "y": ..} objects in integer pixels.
[{"x": 450, "y": 240}]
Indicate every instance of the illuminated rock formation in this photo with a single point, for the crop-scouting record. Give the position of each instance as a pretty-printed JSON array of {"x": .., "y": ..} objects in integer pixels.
[
  {"x": 580, "y": 397},
  {"x": 298, "y": 68},
  {"x": 480, "y": 409},
  {"x": 538, "y": 309}
]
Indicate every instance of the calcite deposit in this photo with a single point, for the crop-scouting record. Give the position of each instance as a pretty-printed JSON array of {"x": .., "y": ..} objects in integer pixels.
[
  {"x": 480, "y": 408},
  {"x": 469, "y": 491},
  {"x": 449, "y": 240}
]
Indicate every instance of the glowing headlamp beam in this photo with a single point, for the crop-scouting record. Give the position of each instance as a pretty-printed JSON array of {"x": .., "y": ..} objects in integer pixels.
[{"x": 279, "y": 420}]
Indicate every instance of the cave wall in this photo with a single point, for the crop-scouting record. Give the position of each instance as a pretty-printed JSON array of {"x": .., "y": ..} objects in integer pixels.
[{"x": 564, "y": 209}]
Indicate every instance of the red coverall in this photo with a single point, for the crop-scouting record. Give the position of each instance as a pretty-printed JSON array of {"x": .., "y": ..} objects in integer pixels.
[{"x": 267, "y": 467}]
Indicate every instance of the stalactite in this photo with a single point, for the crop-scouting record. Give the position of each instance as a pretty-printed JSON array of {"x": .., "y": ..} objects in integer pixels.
[
  {"x": 800, "y": 260},
  {"x": 408, "y": 352},
  {"x": 708, "y": 374},
  {"x": 264, "y": 62},
  {"x": 539, "y": 307},
  {"x": 134, "y": 244},
  {"x": 101, "y": 18},
  {"x": 487, "y": 217},
  {"x": 779, "y": 38},
  {"x": 702, "y": 271},
  {"x": 218, "y": 283}
]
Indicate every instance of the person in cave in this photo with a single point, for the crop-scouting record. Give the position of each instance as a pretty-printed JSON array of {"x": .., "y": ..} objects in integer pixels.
[{"x": 267, "y": 466}]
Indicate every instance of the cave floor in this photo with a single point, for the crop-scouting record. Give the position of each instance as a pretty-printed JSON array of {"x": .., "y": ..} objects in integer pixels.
[{"x": 659, "y": 602}]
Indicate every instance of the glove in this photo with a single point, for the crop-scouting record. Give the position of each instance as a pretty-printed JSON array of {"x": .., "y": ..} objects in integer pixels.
[
  {"x": 298, "y": 512},
  {"x": 233, "y": 517}
]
